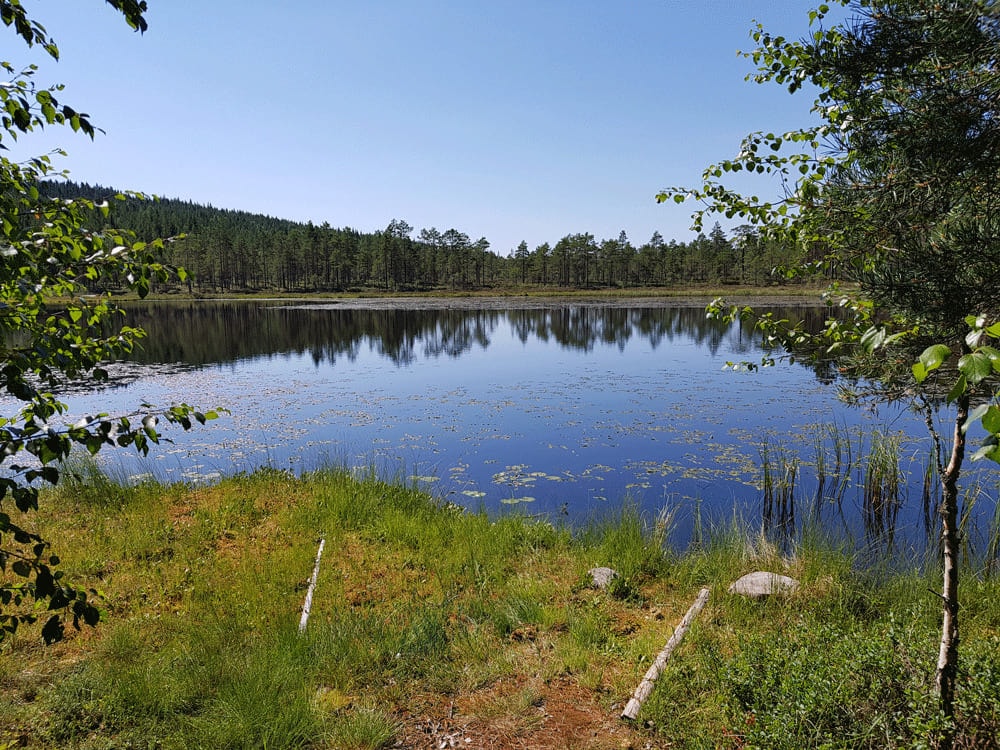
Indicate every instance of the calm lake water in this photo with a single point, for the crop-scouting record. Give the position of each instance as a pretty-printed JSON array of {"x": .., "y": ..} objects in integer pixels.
[{"x": 563, "y": 409}]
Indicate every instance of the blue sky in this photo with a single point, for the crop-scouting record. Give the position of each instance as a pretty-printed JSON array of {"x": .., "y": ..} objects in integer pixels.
[{"x": 510, "y": 120}]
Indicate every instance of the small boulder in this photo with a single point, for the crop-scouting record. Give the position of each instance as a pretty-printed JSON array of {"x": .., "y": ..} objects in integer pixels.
[
  {"x": 600, "y": 578},
  {"x": 763, "y": 584}
]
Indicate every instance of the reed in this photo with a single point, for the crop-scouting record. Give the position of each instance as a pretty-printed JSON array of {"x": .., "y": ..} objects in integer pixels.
[
  {"x": 779, "y": 471},
  {"x": 881, "y": 489},
  {"x": 843, "y": 462},
  {"x": 992, "y": 556},
  {"x": 930, "y": 497},
  {"x": 820, "y": 465}
]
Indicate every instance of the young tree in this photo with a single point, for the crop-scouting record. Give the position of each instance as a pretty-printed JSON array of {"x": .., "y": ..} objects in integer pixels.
[
  {"x": 897, "y": 187},
  {"x": 55, "y": 308}
]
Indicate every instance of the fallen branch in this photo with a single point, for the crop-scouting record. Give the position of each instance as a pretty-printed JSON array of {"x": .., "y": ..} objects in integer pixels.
[
  {"x": 646, "y": 686},
  {"x": 307, "y": 605}
]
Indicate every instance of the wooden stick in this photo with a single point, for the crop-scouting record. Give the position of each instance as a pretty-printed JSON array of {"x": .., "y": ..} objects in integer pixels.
[
  {"x": 307, "y": 606},
  {"x": 646, "y": 686}
]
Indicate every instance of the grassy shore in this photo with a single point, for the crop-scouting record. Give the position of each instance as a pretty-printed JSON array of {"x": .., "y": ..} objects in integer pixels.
[{"x": 433, "y": 627}]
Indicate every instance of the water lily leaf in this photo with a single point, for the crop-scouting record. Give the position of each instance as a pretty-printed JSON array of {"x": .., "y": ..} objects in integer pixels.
[{"x": 516, "y": 500}]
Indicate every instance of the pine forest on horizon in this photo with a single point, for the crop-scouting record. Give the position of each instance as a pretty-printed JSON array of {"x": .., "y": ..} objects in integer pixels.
[{"x": 227, "y": 250}]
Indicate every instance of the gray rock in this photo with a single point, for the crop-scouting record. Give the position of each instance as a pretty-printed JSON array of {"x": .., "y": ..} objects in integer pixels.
[
  {"x": 761, "y": 584},
  {"x": 601, "y": 578}
]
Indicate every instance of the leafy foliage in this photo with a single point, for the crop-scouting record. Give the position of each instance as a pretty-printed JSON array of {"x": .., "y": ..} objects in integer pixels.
[
  {"x": 56, "y": 282},
  {"x": 896, "y": 188}
]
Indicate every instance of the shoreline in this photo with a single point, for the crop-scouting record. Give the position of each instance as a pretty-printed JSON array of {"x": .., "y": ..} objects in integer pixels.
[{"x": 513, "y": 300}]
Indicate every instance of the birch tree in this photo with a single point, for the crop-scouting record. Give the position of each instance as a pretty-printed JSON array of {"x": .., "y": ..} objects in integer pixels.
[{"x": 897, "y": 188}]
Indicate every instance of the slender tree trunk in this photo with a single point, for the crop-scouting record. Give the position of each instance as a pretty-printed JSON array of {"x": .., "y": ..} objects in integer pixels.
[{"x": 947, "y": 666}]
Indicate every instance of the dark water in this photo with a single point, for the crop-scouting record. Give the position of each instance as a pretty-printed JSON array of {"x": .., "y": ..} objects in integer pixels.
[{"x": 563, "y": 409}]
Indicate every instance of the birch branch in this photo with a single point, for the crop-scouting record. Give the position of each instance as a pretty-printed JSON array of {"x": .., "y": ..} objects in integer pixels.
[
  {"x": 307, "y": 605},
  {"x": 646, "y": 686}
]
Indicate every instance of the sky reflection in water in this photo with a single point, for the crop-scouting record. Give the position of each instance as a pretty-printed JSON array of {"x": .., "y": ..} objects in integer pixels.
[{"x": 564, "y": 410}]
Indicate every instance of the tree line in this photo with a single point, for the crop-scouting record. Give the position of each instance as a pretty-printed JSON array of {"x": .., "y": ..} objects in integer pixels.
[{"x": 232, "y": 251}]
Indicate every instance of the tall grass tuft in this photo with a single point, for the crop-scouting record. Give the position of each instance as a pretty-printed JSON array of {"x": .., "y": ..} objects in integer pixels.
[
  {"x": 930, "y": 497},
  {"x": 779, "y": 471},
  {"x": 262, "y": 698},
  {"x": 628, "y": 544},
  {"x": 882, "y": 487},
  {"x": 84, "y": 481},
  {"x": 992, "y": 556},
  {"x": 843, "y": 463},
  {"x": 362, "y": 728}
]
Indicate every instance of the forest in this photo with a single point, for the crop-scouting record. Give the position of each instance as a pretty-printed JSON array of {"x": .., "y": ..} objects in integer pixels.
[{"x": 227, "y": 250}]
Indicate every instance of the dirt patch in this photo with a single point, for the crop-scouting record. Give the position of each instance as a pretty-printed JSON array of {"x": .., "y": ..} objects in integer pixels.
[{"x": 518, "y": 714}]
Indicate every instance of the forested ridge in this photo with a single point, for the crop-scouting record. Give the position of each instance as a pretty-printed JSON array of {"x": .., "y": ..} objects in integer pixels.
[{"x": 227, "y": 250}]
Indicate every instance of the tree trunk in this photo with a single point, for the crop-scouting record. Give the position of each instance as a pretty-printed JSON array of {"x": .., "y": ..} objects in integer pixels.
[{"x": 947, "y": 666}]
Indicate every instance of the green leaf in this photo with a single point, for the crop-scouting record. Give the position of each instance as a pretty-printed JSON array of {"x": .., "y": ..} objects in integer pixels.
[
  {"x": 52, "y": 631},
  {"x": 958, "y": 389},
  {"x": 44, "y": 584},
  {"x": 933, "y": 356},
  {"x": 993, "y": 355},
  {"x": 991, "y": 420},
  {"x": 976, "y": 367},
  {"x": 21, "y": 568},
  {"x": 990, "y": 449},
  {"x": 872, "y": 339},
  {"x": 975, "y": 414}
]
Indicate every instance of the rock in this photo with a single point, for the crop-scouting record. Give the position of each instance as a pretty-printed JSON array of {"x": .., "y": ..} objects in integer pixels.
[
  {"x": 762, "y": 584},
  {"x": 600, "y": 578}
]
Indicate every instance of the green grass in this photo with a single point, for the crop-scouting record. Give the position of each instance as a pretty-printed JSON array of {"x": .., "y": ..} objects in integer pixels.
[{"x": 431, "y": 623}]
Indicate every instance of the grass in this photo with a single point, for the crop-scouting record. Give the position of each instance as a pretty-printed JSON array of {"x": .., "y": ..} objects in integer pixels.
[{"x": 436, "y": 627}]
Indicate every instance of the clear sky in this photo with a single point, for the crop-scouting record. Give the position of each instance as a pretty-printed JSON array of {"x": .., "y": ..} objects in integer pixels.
[{"x": 518, "y": 120}]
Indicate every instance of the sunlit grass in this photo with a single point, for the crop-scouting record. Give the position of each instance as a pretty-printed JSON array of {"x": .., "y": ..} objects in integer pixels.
[{"x": 428, "y": 615}]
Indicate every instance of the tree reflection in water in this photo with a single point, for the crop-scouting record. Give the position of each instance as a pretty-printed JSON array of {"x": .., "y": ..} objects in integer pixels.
[{"x": 548, "y": 407}]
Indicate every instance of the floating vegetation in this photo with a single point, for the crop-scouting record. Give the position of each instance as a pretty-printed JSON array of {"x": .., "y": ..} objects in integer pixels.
[
  {"x": 515, "y": 476},
  {"x": 474, "y": 493},
  {"x": 426, "y": 479},
  {"x": 516, "y": 500}
]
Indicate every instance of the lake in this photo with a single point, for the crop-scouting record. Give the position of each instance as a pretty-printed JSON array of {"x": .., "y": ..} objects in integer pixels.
[{"x": 567, "y": 409}]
